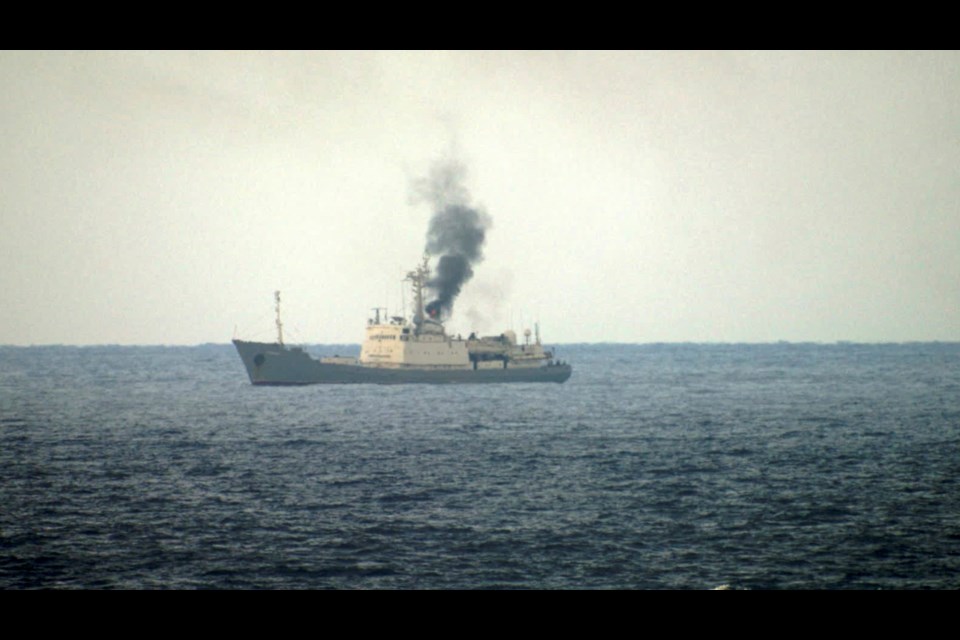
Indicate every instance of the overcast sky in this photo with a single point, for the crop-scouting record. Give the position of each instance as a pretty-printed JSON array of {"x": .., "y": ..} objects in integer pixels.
[{"x": 161, "y": 197}]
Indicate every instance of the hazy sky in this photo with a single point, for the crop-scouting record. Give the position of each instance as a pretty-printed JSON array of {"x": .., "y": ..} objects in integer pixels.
[{"x": 161, "y": 197}]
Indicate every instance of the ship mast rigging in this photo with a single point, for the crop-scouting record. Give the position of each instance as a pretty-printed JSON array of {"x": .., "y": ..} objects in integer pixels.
[
  {"x": 419, "y": 280},
  {"x": 276, "y": 297}
]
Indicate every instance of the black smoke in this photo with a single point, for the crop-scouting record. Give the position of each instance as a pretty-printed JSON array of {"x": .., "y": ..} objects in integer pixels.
[{"x": 456, "y": 234}]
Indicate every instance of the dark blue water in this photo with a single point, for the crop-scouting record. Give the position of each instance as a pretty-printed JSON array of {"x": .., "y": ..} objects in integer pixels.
[{"x": 656, "y": 466}]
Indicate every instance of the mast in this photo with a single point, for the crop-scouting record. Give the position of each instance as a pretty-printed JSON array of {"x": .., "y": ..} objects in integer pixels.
[
  {"x": 276, "y": 297},
  {"x": 419, "y": 280}
]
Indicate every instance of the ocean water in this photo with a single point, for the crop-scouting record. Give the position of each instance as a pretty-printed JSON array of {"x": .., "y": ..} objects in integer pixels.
[{"x": 681, "y": 466}]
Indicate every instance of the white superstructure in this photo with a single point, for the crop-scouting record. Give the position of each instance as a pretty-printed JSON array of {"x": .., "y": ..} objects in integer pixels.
[
  {"x": 423, "y": 344},
  {"x": 399, "y": 344}
]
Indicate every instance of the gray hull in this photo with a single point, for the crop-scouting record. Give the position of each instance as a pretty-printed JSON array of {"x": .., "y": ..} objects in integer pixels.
[{"x": 272, "y": 364}]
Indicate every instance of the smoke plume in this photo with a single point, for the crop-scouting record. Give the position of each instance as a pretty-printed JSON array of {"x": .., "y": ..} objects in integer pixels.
[{"x": 456, "y": 233}]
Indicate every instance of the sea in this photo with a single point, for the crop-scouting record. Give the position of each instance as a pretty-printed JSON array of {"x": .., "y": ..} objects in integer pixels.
[{"x": 656, "y": 466}]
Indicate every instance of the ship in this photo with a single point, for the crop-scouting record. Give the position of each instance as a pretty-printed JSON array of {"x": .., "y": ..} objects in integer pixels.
[{"x": 397, "y": 350}]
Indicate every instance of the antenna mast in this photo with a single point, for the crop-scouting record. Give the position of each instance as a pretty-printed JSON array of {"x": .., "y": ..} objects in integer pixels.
[
  {"x": 419, "y": 279},
  {"x": 276, "y": 297}
]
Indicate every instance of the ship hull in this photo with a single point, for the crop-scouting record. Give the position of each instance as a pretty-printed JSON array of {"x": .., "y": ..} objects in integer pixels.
[{"x": 273, "y": 364}]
